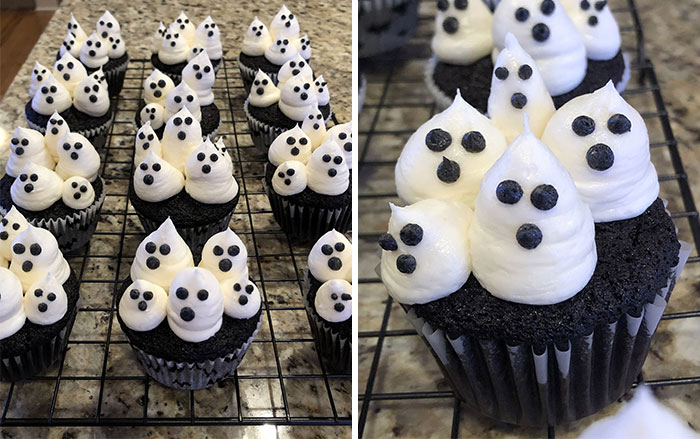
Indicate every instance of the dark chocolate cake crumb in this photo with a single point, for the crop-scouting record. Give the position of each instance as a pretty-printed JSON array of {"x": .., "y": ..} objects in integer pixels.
[
  {"x": 474, "y": 81},
  {"x": 598, "y": 73}
]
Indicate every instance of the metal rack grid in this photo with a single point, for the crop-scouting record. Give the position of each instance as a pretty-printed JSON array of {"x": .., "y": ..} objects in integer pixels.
[
  {"x": 391, "y": 97},
  {"x": 111, "y": 391}
]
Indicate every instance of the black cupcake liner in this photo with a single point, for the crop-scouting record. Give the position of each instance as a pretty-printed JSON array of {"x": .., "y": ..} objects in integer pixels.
[
  {"x": 559, "y": 383},
  {"x": 115, "y": 78},
  {"x": 97, "y": 135}
]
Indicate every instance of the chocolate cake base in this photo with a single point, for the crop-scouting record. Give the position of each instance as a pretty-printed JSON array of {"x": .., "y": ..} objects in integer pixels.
[
  {"x": 473, "y": 81},
  {"x": 598, "y": 73}
]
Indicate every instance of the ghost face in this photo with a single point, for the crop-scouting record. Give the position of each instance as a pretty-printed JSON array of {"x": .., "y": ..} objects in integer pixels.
[
  {"x": 195, "y": 305},
  {"x": 156, "y": 88}
]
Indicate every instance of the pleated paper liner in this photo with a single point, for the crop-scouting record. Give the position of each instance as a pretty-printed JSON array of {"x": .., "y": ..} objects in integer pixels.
[
  {"x": 335, "y": 349},
  {"x": 559, "y": 384},
  {"x": 115, "y": 78}
]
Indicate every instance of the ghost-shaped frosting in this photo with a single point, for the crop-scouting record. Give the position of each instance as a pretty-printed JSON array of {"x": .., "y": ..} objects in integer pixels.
[
  {"x": 331, "y": 257},
  {"x": 603, "y": 142},
  {"x": 153, "y": 113},
  {"x": 292, "y": 144},
  {"x": 56, "y": 127},
  {"x": 69, "y": 71},
  {"x": 11, "y": 225},
  {"x": 156, "y": 180},
  {"x": 157, "y": 38},
  {"x": 448, "y": 155},
  {"x": 27, "y": 145},
  {"x": 315, "y": 127},
  {"x": 241, "y": 297},
  {"x": 297, "y": 98},
  {"x": 296, "y": 66},
  {"x": 328, "y": 174},
  {"x": 107, "y": 25},
  {"x": 78, "y": 193},
  {"x": 333, "y": 301},
  {"x": 303, "y": 46},
  {"x": 284, "y": 24},
  {"x": 180, "y": 97},
  {"x": 51, "y": 96},
  {"x": 185, "y": 27},
  {"x": 290, "y": 178},
  {"x": 75, "y": 37},
  {"x": 517, "y": 88},
  {"x": 595, "y": 21},
  {"x": 257, "y": 39},
  {"x": 34, "y": 253},
  {"x": 263, "y": 93},
  {"x": 209, "y": 175},
  {"x": 77, "y": 156},
  {"x": 199, "y": 75},
  {"x": 182, "y": 135},
  {"x": 36, "y": 188},
  {"x": 462, "y": 32},
  {"x": 208, "y": 36},
  {"x": 425, "y": 253},
  {"x": 12, "y": 315},
  {"x": 225, "y": 256},
  {"x": 532, "y": 238},
  {"x": 281, "y": 51},
  {"x": 174, "y": 47},
  {"x": 39, "y": 75},
  {"x": 342, "y": 133},
  {"x": 547, "y": 34},
  {"x": 156, "y": 87},
  {"x": 99, "y": 76},
  {"x": 322, "y": 93},
  {"x": 46, "y": 301},
  {"x": 195, "y": 305},
  {"x": 161, "y": 255},
  {"x": 116, "y": 46},
  {"x": 146, "y": 141},
  {"x": 93, "y": 52},
  {"x": 142, "y": 307},
  {"x": 91, "y": 97}
]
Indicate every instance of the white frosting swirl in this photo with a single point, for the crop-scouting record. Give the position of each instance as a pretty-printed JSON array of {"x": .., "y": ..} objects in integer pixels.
[
  {"x": 630, "y": 184},
  {"x": 263, "y": 92},
  {"x": 292, "y": 144},
  {"x": 157, "y": 38},
  {"x": 199, "y": 75},
  {"x": 107, "y": 25},
  {"x": 69, "y": 71},
  {"x": 298, "y": 98},
  {"x": 93, "y": 53},
  {"x": 4, "y": 263},
  {"x": 333, "y": 301},
  {"x": 532, "y": 237},
  {"x": 116, "y": 46},
  {"x": 34, "y": 253},
  {"x": 342, "y": 134},
  {"x": 11, "y": 225},
  {"x": 77, "y": 157},
  {"x": 225, "y": 256},
  {"x": 601, "y": 35},
  {"x": 450, "y": 170},
  {"x": 185, "y": 27},
  {"x": 328, "y": 172},
  {"x": 208, "y": 36},
  {"x": 174, "y": 47},
  {"x": 56, "y": 128},
  {"x": 46, "y": 301},
  {"x": 322, "y": 91},
  {"x": 522, "y": 90},
  {"x": 181, "y": 137},
  {"x": 27, "y": 145},
  {"x": 331, "y": 257},
  {"x": 425, "y": 253},
  {"x": 12, "y": 315},
  {"x": 560, "y": 56},
  {"x": 161, "y": 255},
  {"x": 91, "y": 97},
  {"x": 296, "y": 66},
  {"x": 284, "y": 24},
  {"x": 290, "y": 178},
  {"x": 195, "y": 305},
  {"x": 241, "y": 297},
  {"x": 143, "y": 305},
  {"x": 181, "y": 97},
  {"x": 280, "y": 51},
  {"x": 36, "y": 188},
  {"x": 209, "y": 175},
  {"x": 51, "y": 96},
  {"x": 463, "y": 36},
  {"x": 315, "y": 127},
  {"x": 257, "y": 39},
  {"x": 153, "y": 113},
  {"x": 78, "y": 193},
  {"x": 156, "y": 180},
  {"x": 156, "y": 87},
  {"x": 303, "y": 45},
  {"x": 39, "y": 75},
  {"x": 146, "y": 141}
]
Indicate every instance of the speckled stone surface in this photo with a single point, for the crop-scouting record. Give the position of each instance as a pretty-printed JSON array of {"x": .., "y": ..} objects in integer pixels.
[{"x": 397, "y": 110}]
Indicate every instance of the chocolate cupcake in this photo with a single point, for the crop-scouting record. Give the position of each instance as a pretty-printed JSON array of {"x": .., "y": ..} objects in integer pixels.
[
  {"x": 189, "y": 326},
  {"x": 185, "y": 179},
  {"x": 180, "y": 42},
  {"x": 39, "y": 299},
  {"x": 105, "y": 49},
  {"x": 269, "y": 49},
  {"x": 385, "y": 26},
  {"x": 328, "y": 299},
  {"x": 311, "y": 192},
  {"x": 62, "y": 196}
]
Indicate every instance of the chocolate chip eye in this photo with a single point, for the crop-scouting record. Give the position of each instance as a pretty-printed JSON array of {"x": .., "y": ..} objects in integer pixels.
[
  {"x": 547, "y": 7},
  {"x": 337, "y": 160},
  {"x": 406, "y": 264},
  {"x": 522, "y": 14},
  {"x": 33, "y": 177},
  {"x": 151, "y": 247},
  {"x": 326, "y": 158},
  {"x": 177, "y": 99},
  {"x": 143, "y": 166},
  {"x": 188, "y": 121},
  {"x": 461, "y": 4},
  {"x": 45, "y": 90},
  {"x": 540, "y": 32},
  {"x": 600, "y": 5},
  {"x": 165, "y": 249},
  {"x": 190, "y": 98},
  {"x": 448, "y": 171},
  {"x": 619, "y": 124},
  {"x": 233, "y": 250},
  {"x": 600, "y": 157},
  {"x": 265, "y": 82},
  {"x": 134, "y": 294},
  {"x": 525, "y": 72},
  {"x": 18, "y": 249},
  {"x": 501, "y": 73},
  {"x": 544, "y": 197},
  {"x": 518, "y": 100},
  {"x": 177, "y": 121},
  {"x": 529, "y": 236},
  {"x": 202, "y": 295},
  {"x": 585, "y": 5},
  {"x": 411, "y": 234},
  {"x": 438, "y": 140},
  {"x": 509, "y": 192},
  {"x": 387, "y": 242},
  {"x": 450, "y": 25},
  {"x": 326, "y": 249},
  {"x": 25, "y": 142},
  {"x": 473, "y": 142},
  {"x": 98, "y": 44},
  {"x": 153, "y": 85},
  {"x": 593, "y": 20},
  {"x": 182, "y": 293},
  {"x": 583, "y": 126},
  {"x": 443, "y": 5},
  {"x": 59, "y": 67},
  {"x": 89, "y": 42}
]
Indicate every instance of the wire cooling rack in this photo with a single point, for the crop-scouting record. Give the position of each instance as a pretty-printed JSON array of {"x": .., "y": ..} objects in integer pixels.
[
  {"x": 404, "y": 391},
  {"x": 98, "y": 381}
]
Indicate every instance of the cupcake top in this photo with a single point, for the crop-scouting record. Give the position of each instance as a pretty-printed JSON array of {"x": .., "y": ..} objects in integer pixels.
[
  {"x": 462, "y": 32},
  {"x": 330, "y": 262},
  {"x": 280, "y": 42},
  {"x": 603, "y": 142},
  {"x": 595, "y": 21},
  {"x": 86, "y": 93},
  {"x": 174, "y": 43},
  {"x": 96, "y": 50},
  {"x": 34, "y": 254},
  {"x": 193, "y": 299}
]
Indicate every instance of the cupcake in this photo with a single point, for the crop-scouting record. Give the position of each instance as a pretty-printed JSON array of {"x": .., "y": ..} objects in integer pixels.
[
  {"x": 268, "y": 49},
  {"x": 385, "y": 25},
  {"x": 300, "y": 99},
  {"x": 189, "y": 326},
  {"x": 53, "y": 181},
  {"x": 180, "y": 42},
  {"x": 39, "y": 299},
  {"x": 328, "y": 299},
  {"x": 309, "y": 189},
  {"x": 80, "y": 99},
  {"x": 104, "y": 49},
  {"x": 183, "y": 178},
  {"x": 540, "y": 310},
  {"x": 162, "y": 99}
]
